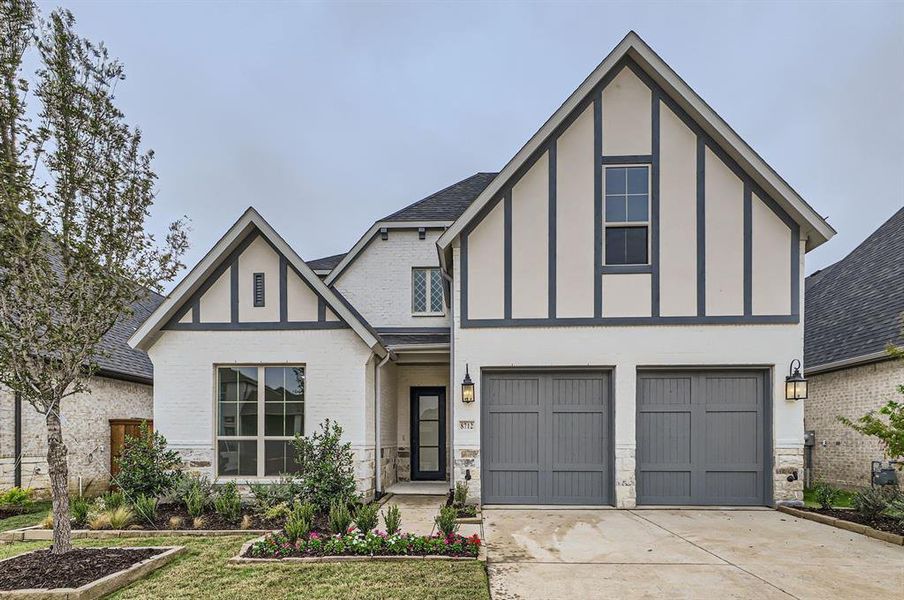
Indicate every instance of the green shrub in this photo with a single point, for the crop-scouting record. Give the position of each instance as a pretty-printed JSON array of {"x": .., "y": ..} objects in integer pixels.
[
  {"x": 825, "y": 495},
  {"x": 112, "y": 500},
  {"x": 392, "y": 520},
  {"x": 277, "y": 512},
  {"x": 145, "y": 508},
  {"x": 228, "y": 503},
  {"x": 79, "y": 508},
  {"x": 195, "y": 492},
  {"x": 460, "y": 496},
  {"x": 267, "y": 495},
  {"x": 146, "y": 466},
  {"x": 870, "y": 502},
  {"x": 300, "y": 521},
  {"x": 445, "y": 520},
  {"x": 325, "y": 465},
  {"x": 366, "y": 517},
  {"x": 340, "y": 518},
  {"x": 16, "y": 497}
]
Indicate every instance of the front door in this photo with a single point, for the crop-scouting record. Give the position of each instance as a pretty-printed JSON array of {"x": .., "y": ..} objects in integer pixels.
[{"x": 428, "y": 433}]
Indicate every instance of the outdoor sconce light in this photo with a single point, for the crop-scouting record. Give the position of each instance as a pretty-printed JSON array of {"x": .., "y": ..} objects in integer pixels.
[
  {"x": 795, "y": 383},
  {"x": 467, "y": 388}
]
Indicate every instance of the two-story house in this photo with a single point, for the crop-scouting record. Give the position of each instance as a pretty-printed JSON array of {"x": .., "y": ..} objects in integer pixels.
[{"x": 625, "y": 296}]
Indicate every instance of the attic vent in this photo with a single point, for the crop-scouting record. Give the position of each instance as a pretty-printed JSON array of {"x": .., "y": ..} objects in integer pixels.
[
  {"x": 384, "y": 233},
  {"x": 258, "y": 289},
  {"x": 421, "y": 233}
]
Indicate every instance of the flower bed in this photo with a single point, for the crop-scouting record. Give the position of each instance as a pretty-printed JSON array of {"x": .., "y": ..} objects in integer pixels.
[
  {"x": 880, "y": 522},
  {"x": 373, "y": 543}
]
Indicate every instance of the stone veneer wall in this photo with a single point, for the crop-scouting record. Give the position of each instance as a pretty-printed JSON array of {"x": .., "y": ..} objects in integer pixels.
[
  {"x": 625, "y": 477},
  {"x": 787, "y": 461},
  {"x": 464, "y": 461},
  {"x": 86, "y": 430},
  {"x": 842, "y": 456}
]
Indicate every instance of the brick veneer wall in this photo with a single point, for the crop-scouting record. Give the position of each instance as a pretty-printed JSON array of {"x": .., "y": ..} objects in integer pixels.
[
  {"x": 86, "y": 430},
  {"x": 842, "y": 456}
]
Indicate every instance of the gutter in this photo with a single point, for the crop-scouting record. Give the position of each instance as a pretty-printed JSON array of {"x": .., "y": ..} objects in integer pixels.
[
  {"x": 17, "y": 434},
  {"x": 849, "y": 362}
]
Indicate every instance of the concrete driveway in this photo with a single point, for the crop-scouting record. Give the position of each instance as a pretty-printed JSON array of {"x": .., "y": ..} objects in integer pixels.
[{"x": 762, "y": 554}]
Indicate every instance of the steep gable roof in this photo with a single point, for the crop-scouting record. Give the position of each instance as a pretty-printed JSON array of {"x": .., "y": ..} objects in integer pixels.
[
  {"x": 145, "y": 336},
  {"x": 447, "y": 204},
  {"x": 813, "y": 227},
  {"x": 854, "y": 308}
]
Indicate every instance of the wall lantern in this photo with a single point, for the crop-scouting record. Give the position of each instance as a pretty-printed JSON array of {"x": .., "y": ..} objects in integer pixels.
[
  {"x": 467, "y": 388},
  {"x": 795, "y": 383}
]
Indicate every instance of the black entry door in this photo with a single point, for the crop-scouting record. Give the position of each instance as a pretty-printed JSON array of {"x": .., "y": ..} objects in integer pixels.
[{"x": 428, "y": 433}]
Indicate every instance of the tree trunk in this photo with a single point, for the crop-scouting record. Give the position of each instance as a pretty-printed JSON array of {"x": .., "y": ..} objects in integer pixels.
[{"x": 58, "y": 470}]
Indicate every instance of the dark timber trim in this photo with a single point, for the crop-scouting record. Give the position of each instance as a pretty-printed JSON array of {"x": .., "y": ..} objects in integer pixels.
[
  {"x": 701, "y": 227},
  {"x": 628, "y": 159},
  {"x": 639, "y": 321},
  {"x": 552, "y": 238},
  {"x": 234, "y": 291},
  {"x": 597, "y": 204},
  {"x": 321, "y": 310},
  {"x": 283, "y": 289},
  {"x": 748, "y": 251},
  {"x": 507, "y": 266},
  {"x": 654, "y": 206},
  {"x": 615, "y": 269},
  {"x": 261, "y": 326}
]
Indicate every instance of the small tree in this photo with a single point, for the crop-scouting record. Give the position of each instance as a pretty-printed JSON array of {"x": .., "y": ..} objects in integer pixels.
[
  {"x": 325, "y": 466},
  {"x": 75, "y": 190},
  {"x": 146, "y": 466},
  {"x": 890, "y": 429}
]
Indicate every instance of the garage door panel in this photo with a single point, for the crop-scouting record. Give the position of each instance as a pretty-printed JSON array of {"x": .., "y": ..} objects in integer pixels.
[
  {"x": 700, "y": 437},
  {"x": 576, "y": 438},
  {"x": 664, "y": 438},
  {"x": 516, "y": 438},
  {"x": 554, "y": 425}
]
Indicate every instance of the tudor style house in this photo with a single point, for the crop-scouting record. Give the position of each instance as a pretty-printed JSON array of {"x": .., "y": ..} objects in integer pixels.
[{"x": 624, "y": 295}]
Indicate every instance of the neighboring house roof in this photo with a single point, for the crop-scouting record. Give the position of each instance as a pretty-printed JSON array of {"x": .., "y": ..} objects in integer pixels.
[
  {"x": 813, "y": 227},
  {"x": 436, "y": 210},
  {"x": 145, "y": 336},
  {"x": 853, "y": 308},
  {"x": 327, "y": 263},
  {"x": 447, "y": 204},
  {"x": 122, "y": 361}
]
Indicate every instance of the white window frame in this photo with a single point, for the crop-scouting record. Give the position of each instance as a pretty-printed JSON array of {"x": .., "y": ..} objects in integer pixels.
[
  {"x": 260, "y": 438},
  {"x": 428, "y": 294},
  {"x": 648, "y": 223}
]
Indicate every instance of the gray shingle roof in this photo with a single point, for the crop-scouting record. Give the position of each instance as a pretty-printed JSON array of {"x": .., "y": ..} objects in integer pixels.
[
  {"x": 411, "y": 339},
  {"x": 327, "y": 263},
  {"x": 446, "y": 204},
  {"x": 122, "y": 359},
  {"x": 854, "y": 307}
]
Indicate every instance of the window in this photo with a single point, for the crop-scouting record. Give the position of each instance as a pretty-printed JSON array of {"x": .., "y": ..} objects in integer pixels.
[
  {"x": 259, "y": 411},
  {"x": 258, "y": 289},
  {"x": 426, "y": 291},
  {"x": 627, "y": 215}
]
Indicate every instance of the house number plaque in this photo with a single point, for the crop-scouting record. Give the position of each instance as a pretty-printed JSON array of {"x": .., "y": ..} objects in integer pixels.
[{"x": 466, "y": 424}]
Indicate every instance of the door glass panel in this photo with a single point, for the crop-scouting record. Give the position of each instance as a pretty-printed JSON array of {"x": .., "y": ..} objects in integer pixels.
[
  {"x": 429, "y": 431},
  {"x": 428, "y": 459},
  {"x": 429, "y": 408}
]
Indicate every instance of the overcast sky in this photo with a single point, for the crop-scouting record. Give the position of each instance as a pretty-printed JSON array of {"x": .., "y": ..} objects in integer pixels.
[{"x": 327, "y": 117}]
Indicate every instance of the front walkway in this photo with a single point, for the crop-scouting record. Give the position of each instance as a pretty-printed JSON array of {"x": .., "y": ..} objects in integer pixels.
[
  {"x": 418, "y": 513},
  {"x": 759, "y": 554}
]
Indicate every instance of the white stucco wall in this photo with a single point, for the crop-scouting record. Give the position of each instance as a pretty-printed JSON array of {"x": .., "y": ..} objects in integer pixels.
[
  {"x": 338, "y": 384},
  {"x": 378, "y": 281},
  {"x": 624, "y": 349},
  {"x": 86, "y": 431}
]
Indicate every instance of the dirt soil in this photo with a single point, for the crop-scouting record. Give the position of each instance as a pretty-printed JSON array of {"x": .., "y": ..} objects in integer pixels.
[
  {"x": 882, "y": 522},
  {"x": 42, "y": 570},
  {"x": 211, "y": 520}
]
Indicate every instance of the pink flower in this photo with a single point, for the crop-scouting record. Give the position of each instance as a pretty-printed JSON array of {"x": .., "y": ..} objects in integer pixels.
[{"x": 315, "y": 536}]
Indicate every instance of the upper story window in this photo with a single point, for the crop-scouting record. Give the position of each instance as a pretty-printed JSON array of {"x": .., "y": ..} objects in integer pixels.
[
  {"x": 627, "y": 210},
  {"x": 426, "y": 291},
  {"x": 259, "y": 411}
]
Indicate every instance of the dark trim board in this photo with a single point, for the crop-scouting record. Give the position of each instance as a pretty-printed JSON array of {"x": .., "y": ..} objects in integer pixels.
[
  {"x": 634, "y": 321},
  {"x": 259, "y": 326}
]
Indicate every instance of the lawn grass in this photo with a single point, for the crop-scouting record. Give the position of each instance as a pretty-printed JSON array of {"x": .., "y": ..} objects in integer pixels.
[
  {"x": 202, "y": 572},
  {"x": 843, "y": 500},
  {"x": 35, "y": 516}
]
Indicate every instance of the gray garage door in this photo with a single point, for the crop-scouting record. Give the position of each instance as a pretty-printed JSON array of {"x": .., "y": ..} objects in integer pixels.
[
  {"x": 545, "y": 438},
  {"x": 701, "y": 437}
]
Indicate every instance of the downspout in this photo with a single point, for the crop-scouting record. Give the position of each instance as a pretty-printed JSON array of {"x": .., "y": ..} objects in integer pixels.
[
  {"x": 17, "y": 434},
  {"x": 378, "y": 402},
  {"x": 451, "y": 376}
]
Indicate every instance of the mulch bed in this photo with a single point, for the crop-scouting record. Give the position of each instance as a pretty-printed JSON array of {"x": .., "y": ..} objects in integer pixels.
[
  {"x": 43, "y": 570},
  {"x": 14, "y": 511},
  {"x": 211, "y": 520},
  {"x": 882, "y": 522}
]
